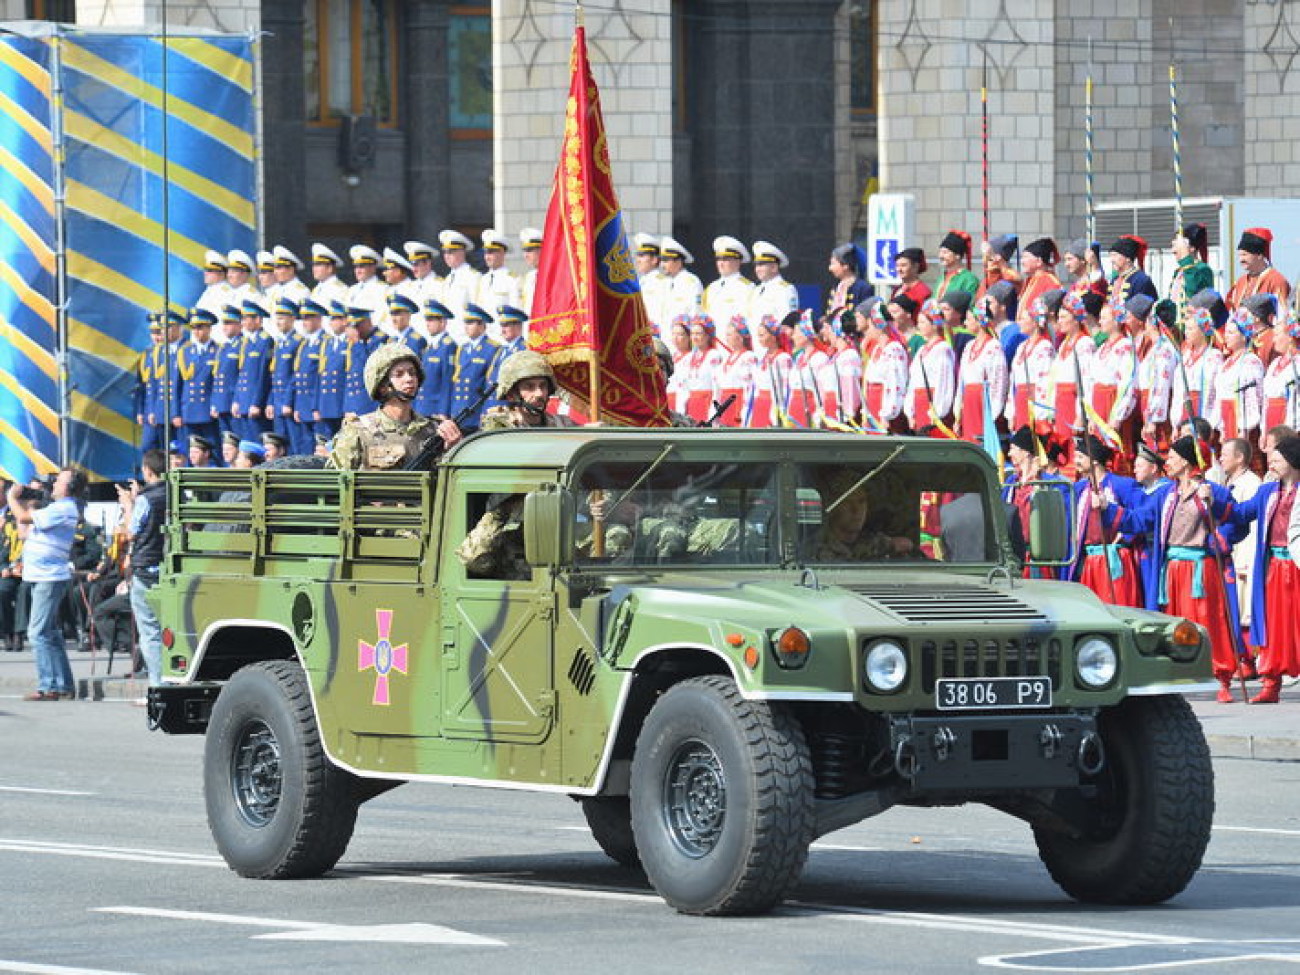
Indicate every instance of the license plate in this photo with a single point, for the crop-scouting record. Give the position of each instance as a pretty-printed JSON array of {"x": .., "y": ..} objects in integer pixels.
[{"x": 983, "y": 693}]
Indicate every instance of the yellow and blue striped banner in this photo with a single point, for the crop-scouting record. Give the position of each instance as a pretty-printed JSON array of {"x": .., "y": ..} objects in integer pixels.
[
  {"x": 126, "y": 241},
  {"x": 29, "y": 383}
]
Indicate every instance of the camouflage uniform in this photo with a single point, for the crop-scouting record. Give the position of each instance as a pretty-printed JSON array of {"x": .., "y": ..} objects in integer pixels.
[
  {"x": 868, "y": 547},
  {"x": 494, "y": 549},
  {"x": 377, "y": 442},
  {"x": 506, "y": 418}
]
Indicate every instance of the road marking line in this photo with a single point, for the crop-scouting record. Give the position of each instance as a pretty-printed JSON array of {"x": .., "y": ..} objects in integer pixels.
[
  {"x": 34, "y": 969},
  {"x": 286, "y": 930},
  {"x": 111, "y": 853},
  {"x": 1214, "y": 955},
  {"x": 1258, "y": 829},
  {"x": 43, "y": 792}
]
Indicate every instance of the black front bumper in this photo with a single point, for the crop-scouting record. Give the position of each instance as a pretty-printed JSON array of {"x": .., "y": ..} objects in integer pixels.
[{"x": 995, "y": 752}]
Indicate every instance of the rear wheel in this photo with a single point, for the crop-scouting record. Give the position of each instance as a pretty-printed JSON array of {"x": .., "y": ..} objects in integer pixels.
[
  {"x": 721, "y": 799},
  {"x": 277, "y": 807},
  {"x": 1146, "y": 832}
]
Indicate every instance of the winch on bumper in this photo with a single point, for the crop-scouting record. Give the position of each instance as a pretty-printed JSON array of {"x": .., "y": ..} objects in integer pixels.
[{"x": 977, "y": 753}]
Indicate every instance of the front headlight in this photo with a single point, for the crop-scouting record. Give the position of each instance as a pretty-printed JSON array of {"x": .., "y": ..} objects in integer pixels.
[
  {"x": 885, "y": 667},
  {"x": 1095, "y": 661}
]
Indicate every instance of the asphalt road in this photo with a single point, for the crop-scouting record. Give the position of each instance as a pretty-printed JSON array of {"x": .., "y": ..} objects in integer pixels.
[{"x": 107, "y": 866}]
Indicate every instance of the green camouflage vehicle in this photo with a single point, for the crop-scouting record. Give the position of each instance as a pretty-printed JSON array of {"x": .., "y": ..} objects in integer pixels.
[{"x": 724, "y": 644}]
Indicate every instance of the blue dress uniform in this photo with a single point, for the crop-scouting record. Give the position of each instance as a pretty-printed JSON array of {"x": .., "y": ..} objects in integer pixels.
[
  {"x": 306, "y": 380},
  {"x": 226, "y": 370},
  {"x": 144, "y": 381},
  {"x": 284, "y": 359},
  {"x": 355, "y": 397},
  {"x": 508, "y": 315},
  {"x": 476, "y": 363},
  {"x": 253, "y": 381},
  {"x": 439, "y": 361},
  {"x": 196, "y": 369}
]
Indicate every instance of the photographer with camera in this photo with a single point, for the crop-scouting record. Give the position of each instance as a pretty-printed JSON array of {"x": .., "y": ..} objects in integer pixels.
[
  {"x": 48, "y": 533},
  {"x": 144, "y": 511}
]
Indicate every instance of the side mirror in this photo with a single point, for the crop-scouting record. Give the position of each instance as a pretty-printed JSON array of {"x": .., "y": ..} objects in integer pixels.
[
  {"x": 548, "y": 527},
  {"x": 1050, "y": 526}
]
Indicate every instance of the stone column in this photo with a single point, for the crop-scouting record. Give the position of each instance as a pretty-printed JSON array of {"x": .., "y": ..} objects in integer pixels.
[
  {"x": 425, "y": 120},
  {"x": 284, "y": 155},
  {"x": 630, "y": 48},
  {"x": 762, "y": 113}
]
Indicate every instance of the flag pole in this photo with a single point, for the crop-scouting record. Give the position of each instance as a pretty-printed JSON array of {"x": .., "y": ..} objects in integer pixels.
[
  {"x": 984, "y": 144},
  {"x": 1173, "y": 128},
  {"x": 1087, "y": 150}
]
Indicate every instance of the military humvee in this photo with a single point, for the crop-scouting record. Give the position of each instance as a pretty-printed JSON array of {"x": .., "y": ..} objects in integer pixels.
[{"x": 765, "y": 636}]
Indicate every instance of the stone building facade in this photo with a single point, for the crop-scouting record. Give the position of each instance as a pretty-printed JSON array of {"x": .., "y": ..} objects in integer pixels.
[{"x": 772, "y": 119}]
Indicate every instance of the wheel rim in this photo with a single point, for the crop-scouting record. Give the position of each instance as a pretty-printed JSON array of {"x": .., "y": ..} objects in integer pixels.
[
  {"x": 255, "y": 774},
  {"x": 695, "y": 798}
]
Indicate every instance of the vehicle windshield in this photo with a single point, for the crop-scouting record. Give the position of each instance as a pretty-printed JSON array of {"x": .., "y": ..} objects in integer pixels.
[
  {"x": 903, "y": 511},
  {"x": 683, "y": 513},
  {"x": 706, "y": 513}
]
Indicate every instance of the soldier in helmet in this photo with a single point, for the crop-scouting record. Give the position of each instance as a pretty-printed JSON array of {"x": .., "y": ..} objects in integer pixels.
[
  {"x": 390, "y": 437},
  {"x": 524, "y": 384}
]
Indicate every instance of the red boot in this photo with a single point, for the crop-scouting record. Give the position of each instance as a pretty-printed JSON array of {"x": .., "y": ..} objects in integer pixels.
[
  {"x": 1272, "y": 691},
  {"x": 1246, "y": 669},
  {"x": 1225, "y": 687}
]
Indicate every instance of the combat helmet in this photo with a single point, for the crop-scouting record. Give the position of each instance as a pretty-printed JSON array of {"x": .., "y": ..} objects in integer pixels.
[
  {"x": 382, "y": 360},
  {"x": 524, "y": 364}
]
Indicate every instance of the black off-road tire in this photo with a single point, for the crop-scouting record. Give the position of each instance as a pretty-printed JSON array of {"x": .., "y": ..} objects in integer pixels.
[
  {"x": 1153, "y": 811},
  {"x": 610, "y": 819},
  {"x": 722, "y": 799},
  {"x": 277, "y": 807}
]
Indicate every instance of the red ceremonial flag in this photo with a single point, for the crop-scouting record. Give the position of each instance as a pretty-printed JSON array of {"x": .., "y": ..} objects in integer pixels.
[{"x": 588, "y": 317}]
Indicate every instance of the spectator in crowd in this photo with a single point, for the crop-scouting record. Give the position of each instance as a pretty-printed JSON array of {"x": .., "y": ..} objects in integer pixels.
[
  {"x": 46, "y": 549},
  {"x": 144, "y": 511}
]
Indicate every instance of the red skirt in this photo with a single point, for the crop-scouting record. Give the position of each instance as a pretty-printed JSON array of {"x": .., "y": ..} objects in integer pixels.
[
  {"x": 1020, "y": 415},
  {"x": 731, "y": 415},
  {"x": 1067, "y": 410},
  {"x": 1274, "y": 412},
  {"x": 972, "y": 412},
  {"x": 760, "y": 415},
  {"x": 1282, "y": 612},
  {"x": 1211, "y": 612},
  {"x": 1229, "y": 410},
  {"x": 699, "y": 403},
  {"x": 1127, "y": 588}
]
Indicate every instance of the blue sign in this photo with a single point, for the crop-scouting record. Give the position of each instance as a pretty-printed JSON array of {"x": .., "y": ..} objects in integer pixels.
[{"x": 883, "y": 257}]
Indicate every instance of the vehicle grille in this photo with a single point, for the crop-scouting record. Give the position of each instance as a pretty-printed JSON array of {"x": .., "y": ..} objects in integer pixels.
[
  {"x": 988, "y": 658},
  {"x": 950, "y": 604}
]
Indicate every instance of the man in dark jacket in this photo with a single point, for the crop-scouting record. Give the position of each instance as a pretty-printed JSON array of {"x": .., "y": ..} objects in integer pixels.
[{"x": 144, "y": 512}]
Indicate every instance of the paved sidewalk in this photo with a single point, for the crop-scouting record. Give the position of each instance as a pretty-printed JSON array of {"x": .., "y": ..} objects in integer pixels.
[{"x": 1237, "y": 730}]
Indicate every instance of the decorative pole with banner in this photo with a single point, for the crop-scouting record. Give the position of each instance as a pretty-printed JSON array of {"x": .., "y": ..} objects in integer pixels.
[
  {"x": 1087, "y": 152},
  {"x": 588, "y": 316}
]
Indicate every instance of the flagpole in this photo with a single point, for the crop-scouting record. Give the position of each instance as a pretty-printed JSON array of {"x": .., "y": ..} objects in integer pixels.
[
  {"x": 1087, "y": 150},
  {"x": 1173, "y": 128},
  {"x": 984, "y": 145}
]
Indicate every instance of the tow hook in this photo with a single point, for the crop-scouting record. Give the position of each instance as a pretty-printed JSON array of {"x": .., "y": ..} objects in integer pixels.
[
  {"x": 905, "y": 758},
  {"x": 1092, "y": 753},
  {"x": 944, "y": 740},
  {"x": 1049, "y": 739}
]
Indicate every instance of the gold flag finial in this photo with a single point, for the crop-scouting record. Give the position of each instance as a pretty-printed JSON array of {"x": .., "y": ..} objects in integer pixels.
[{"x": 577, "y": 13}]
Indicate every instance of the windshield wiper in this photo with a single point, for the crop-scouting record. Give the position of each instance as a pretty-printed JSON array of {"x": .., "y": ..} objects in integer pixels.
[{"x": 865, "y": 478}]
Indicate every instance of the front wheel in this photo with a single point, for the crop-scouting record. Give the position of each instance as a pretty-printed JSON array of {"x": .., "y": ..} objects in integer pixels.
[
  {"x": 722, "y": 799},
  {"x": 1143, "y": 838},
  {"x": 610, "y": 821},
  {"x": 277, "y": 807}
]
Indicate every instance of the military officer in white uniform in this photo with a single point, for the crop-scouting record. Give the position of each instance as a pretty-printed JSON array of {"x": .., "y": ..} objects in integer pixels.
[
  {"x": 266, "y": 275},
  {"x": 498, "y": 286},
  {"x": 329, "y": 286},
  {"x": 773, "y": 296},
  {"x": 460, "y": 286},
  {"x": 398, "y": 275},
  {"x": 728, "y": 297},
  {"x": 238, "y": 268},
  {"x": 368, "y": 292},
  {"x": 287, "y": 285},
  {"x": 426, "y": 283},
  {"x": 530, "y": 239},
  {"x": 654, "y": 283},
  {"x": 682, "y": 289},
  {"x": 216, "y": 290}
]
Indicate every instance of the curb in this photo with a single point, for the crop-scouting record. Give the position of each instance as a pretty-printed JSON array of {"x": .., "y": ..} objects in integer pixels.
[
  {"x": 1254, "y": 747},
  {"x": 104, "y": 688}
]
